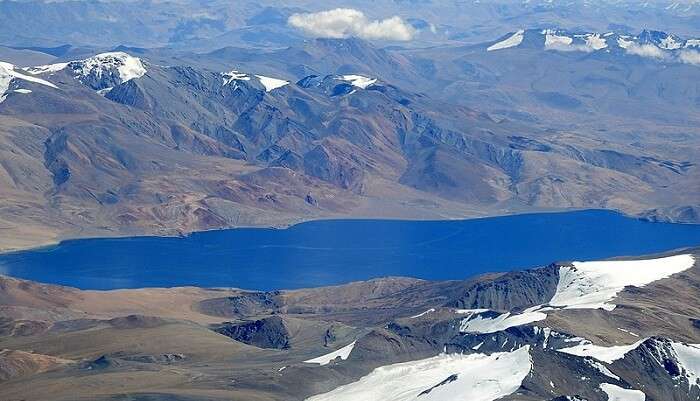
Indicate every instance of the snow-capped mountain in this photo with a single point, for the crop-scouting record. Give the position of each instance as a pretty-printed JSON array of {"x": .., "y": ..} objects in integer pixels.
[
  {"x": 102, "y": 71},
  {"x": 651, "y": 44}
]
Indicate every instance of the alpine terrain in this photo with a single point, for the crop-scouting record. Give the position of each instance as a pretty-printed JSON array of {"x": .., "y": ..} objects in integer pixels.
[{"x": 565, "y": 127}]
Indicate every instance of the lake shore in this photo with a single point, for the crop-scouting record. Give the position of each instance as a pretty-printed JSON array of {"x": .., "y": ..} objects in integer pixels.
[{"x": 330, "y": 252}]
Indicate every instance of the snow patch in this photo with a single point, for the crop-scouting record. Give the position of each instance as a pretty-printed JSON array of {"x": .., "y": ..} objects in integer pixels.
[
  {"x": 475, "y": 377},
  {"x": 628, "y": 332},
  {"x": 514, "y": 40},
  {"x": 234, "y": 75},
  {"x": 470, "y": 311},
  {"x": 599, "y": 352},
  {"x": 48, "y": 68},
  {"x": 592, "y": 285},
  {"x": 625, "y": 42},
  {"x": 8, "y": 73},
  {"x": 431, "y": 310},
  {"x": 271, "y": 84},
  {"x": 595, "y": 42},
  {"x": 343, "y": 353},
  {"x": 617, "y": 393},
  {"x": 359, "y": 80},
  {"x": 554, "y": 41},
  {"x": 602, "y": 369},
  {"x": 688, "y": 356},
  {"x": 479, "y": 324},
  {"x": 670, "y": 43},
  {"x": 24, "y": 91}
]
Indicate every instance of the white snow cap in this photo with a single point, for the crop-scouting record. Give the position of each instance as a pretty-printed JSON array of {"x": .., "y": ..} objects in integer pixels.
[
  {"x": 593, "y": 285},
  {"x": 359, "y": 81},
  {"x": 342, "y": 353},
  {"x": 595, "y": 42},
  {"x": 476, "y": 323},
  {"x": 234, "y": 75},
  {"x": 48, "y": 68},
  {"x": 512, "y": 41},
  {"x": 475, "y": 377},
  {"x": 8, "y": 73},
  {"x": 127, "y": 66},
  {"x": 599, "y": 352},
  {"x": 271, "y": 84},
  {"x": 554, "y": 41}
]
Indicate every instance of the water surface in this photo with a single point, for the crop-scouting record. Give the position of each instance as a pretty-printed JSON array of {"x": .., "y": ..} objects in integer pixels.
[{"x": 338, "y": 251}]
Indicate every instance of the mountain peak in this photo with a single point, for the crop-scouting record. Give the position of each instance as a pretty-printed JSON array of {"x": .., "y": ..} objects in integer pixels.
[
  {"x": 115, "y": 67},
  {"x": 101, "y": 71}
]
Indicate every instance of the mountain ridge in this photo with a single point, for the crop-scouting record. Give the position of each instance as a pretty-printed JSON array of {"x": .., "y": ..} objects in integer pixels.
[{"x": 327, "y": 145}]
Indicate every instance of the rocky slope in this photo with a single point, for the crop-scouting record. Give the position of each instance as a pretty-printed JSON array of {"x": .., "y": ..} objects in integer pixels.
[
  {"x": 115, "y": 145},
  {"x": 571, "y": 331}
]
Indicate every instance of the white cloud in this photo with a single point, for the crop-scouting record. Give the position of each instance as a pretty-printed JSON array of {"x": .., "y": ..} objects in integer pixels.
[
  {"x": 346, "y": 22},
  {"x": 646, "y": 50},
  {"x": 689, "y": 57}
]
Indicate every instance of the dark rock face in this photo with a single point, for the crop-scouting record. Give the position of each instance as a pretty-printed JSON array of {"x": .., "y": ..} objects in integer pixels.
[
  {"x": 247, "y": 304},
  {"x": 103, "y": 362},
  {"x": 329, "y": 337},
  {"x": 449, "y": 380},
  {"x": 654, "y": 366},
  {"x": 270, "y": 332},
  {"x": 514, "y": 290},
  {"x": 381, "y": 344},
  {"x": 311, "y": 200}
]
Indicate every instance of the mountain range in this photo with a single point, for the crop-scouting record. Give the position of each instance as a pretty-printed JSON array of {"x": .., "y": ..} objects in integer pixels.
[
  {"x": 187, "y": 24},
  {"x": 126, "y": 118},
  {"x": 115, "y": 144},
  {"x": 137, "y": 141}
]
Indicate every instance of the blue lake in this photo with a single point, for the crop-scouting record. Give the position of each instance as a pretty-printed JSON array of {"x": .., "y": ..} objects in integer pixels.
[{"x": 338, "y": 251}]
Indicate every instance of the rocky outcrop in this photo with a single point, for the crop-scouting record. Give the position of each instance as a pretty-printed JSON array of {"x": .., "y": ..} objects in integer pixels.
[
  {"x": 513, "y": 290},
  {"x": 270, "y": 332},
  {"x": 246, "y": 304},
  {"x": 15, "y": 364}
]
